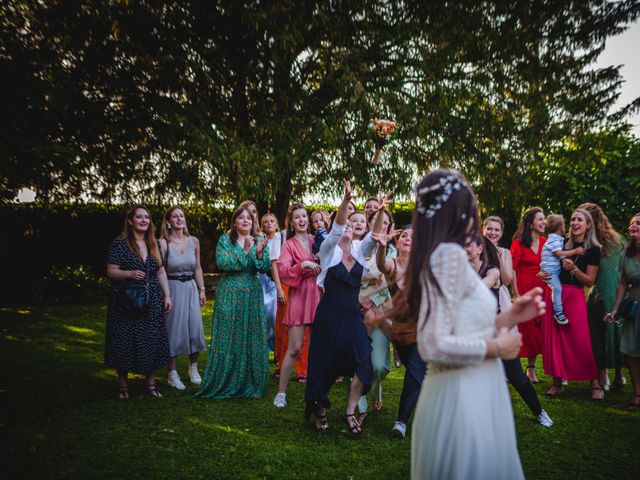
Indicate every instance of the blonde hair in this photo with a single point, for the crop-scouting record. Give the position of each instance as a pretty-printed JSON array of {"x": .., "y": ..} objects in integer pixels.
[
  {"x": 269, "y": 214},
  {"x": 165, "y": 229},
  {"x": 606, "y": 233},
  {"x": 590, "y": 235},
  {"x": 493, "y": 218}
]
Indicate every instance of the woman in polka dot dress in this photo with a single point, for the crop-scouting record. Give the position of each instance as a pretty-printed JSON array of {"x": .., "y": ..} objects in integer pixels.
[{"x": 137, "y": 344}]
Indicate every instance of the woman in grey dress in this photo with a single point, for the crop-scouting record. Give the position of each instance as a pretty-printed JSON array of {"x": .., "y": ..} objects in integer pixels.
[{"x": 181, "y": 252}]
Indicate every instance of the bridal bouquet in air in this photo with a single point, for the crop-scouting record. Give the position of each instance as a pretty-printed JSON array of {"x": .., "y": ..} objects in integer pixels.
[{"x": 382, "y": 132}]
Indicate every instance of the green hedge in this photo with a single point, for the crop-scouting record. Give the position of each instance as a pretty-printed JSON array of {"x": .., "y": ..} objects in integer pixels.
[
  {"x": 56, "y": 253},
  {"x": 43, "y": 241}
]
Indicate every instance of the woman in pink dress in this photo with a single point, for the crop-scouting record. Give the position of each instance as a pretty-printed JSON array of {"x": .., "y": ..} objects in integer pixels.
[
  {"x": 526, "y": 249},
  {"x": 298, "y": 270},
  {"x": 567, "y": 351}
]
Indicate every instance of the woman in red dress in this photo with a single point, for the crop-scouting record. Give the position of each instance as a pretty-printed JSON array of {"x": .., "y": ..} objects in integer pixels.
[{"x": 526, "y": 250}]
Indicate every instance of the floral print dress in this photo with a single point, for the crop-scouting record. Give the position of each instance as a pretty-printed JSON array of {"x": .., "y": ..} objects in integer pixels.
[{"x": 238, "y": 364}]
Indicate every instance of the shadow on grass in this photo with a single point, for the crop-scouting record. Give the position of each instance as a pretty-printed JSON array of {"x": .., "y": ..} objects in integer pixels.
[{"x": 61, "y": 419}]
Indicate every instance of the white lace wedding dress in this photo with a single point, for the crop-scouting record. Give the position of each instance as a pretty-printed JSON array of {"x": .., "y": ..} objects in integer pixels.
[{"x": 463, "y": 426}]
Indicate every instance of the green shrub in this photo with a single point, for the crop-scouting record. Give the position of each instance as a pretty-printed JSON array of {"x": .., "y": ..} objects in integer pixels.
[{"x": 65, "y": 284}]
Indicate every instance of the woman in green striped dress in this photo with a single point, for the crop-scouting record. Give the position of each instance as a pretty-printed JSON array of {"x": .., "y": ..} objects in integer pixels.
[{"x": 605, "y": 337}]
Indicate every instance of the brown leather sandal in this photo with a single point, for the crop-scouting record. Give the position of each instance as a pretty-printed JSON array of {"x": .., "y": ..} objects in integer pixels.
[{"x": 558, "y": 389}]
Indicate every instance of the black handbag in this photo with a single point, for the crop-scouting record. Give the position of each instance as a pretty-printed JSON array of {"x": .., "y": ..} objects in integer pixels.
[{"x": 133, "y": 298}]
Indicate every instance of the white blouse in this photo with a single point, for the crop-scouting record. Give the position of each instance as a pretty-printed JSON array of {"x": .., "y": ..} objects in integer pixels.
[
  {"x": 462, "y": 317},
  {"x": 275, "y": 245},
  {"x": 331, "y": 253}
]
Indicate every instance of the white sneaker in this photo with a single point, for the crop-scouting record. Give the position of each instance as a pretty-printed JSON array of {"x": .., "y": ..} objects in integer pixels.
[
  {"x": 280, "y": 401},
  {"x": 399, "y": 430},
  {"x": 175, "y": 381},
  {"x": 544, "y": 419},
  {"x": 194, "y": 375}
]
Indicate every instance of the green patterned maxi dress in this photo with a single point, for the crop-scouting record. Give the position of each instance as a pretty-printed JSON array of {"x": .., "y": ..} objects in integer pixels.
[
  {"x": 238, "y": 364},
  {"x": 605, "y": 337}
]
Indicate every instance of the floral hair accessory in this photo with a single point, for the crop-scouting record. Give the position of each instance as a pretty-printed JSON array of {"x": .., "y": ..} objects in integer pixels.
[{"x": 444, "y": 188}]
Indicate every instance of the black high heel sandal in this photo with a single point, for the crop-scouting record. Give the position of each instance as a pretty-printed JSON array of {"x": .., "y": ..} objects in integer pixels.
[
  {"x": 123, "y": 392},
  {"x": 324, "y": 424},
  {"x": 153, "y": 391},
  {"x": 354, "y": 427}
]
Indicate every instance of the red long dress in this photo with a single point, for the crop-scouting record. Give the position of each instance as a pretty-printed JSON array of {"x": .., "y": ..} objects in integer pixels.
[{"x": 526, "y": 264}]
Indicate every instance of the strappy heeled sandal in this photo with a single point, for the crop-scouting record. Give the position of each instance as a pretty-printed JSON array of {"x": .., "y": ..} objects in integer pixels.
[
  {"x": 123, "y": 392},
  {"x": 353, "y": 425},
  {"x": 559, "y": 388},
  {"x": 322, "y": 418},
  {"x": 153, "y": 391},
  {"x": 324, "y": 424},
  {"x": 535, "y": 377}
]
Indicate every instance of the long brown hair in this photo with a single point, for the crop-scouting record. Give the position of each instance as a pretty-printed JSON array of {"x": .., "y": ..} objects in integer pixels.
[
  {"x": 232, "y": 229},
  {"x": 246, "y": 204},
  {"x": 450, "y": 220},
  {"x": 523, "y": 233},
  {"x": 389, "y": 215},
  {"x": 608, "y": 237},
  {"x": 165, "y": 231},
  {"x": 149, "y": 235},
  {"x": 287, "y": 224}
]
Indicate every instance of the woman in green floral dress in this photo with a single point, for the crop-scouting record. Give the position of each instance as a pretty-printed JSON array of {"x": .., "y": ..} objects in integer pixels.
[
  {"x": 238, "y": 365},
  {"x": 605, "y": 337}
]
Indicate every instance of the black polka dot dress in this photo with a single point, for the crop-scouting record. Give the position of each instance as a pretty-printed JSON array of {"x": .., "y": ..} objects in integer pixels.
[{"x": 138, "y": 345}]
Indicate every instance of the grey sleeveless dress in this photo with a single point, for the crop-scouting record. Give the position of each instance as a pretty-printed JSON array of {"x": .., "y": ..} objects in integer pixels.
[{"x": 184, "y": 321}]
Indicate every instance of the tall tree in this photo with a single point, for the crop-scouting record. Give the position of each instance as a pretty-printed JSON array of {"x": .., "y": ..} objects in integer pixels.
[{"x": 217, "y": 101}]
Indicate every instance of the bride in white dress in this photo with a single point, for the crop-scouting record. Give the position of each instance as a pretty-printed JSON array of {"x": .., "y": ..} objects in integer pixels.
[{"x": 463, "y": 426}]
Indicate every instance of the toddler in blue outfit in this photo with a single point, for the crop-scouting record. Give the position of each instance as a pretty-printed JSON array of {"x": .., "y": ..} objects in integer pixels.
[
  {"x": 551, "y": 262},
  {"x": 320, "y": 223}
]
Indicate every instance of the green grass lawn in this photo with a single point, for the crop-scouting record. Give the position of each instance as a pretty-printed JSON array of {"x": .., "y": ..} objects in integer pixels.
[{"x": 60, "y": 418}]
